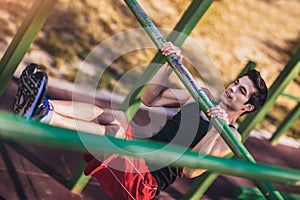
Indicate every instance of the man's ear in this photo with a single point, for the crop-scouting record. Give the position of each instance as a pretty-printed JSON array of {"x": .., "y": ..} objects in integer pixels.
[{"x": 249, "y": 107}]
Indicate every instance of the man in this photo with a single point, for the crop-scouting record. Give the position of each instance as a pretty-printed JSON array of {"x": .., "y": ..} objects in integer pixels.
[{"x": 134, "y": 178}]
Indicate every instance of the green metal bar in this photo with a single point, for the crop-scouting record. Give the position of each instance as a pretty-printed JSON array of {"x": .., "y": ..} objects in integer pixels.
[
  {"x": 204, "y": 181},
  {"x": 16, "y": 128},
  {"x": 132, "y": 102},
  {"x": 198, "y": 94},
  {"x": 291, "y": 97},
  {"x": 31, "y": 25},
  {"x": 183, "y": 28},
  {"x": 286, "y": 124},
  {"x": 250, "y": 193},
  {"x": 289, "y": 73},
  {"x": 249, "y": 65},
  {"x": 200, "y": 185},
  {"x": 78, "y": 180}
]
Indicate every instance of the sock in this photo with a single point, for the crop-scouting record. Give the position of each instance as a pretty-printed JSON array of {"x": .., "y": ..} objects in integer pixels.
[{"x": 47, "y": 117}]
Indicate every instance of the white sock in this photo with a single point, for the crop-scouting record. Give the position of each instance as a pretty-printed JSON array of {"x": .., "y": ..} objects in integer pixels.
[{"x": 47, "y": 118}]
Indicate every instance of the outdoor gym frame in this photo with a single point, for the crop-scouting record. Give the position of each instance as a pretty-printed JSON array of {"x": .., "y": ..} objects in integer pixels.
[{"x": 14, "y": 128}]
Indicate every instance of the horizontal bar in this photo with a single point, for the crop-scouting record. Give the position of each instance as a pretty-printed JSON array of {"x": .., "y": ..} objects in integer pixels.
[
  {"x": 15, "y": 128},
  {"x": 291, "y": 97},
  {"x": 244, "y": 192}
]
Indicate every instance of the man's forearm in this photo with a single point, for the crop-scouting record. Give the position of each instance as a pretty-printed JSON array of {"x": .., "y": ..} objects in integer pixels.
[{"x": 156, "y": 85}]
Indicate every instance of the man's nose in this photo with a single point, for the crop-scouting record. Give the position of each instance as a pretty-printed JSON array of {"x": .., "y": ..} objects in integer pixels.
[{"x": 233, "y": 89}]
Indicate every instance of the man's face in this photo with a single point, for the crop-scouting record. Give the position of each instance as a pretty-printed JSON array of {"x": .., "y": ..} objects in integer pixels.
[{"x": 238, "y": 93}]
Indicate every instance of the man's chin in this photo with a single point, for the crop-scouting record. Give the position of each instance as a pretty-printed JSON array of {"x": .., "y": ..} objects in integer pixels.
[{"x": 223, "y": 99}]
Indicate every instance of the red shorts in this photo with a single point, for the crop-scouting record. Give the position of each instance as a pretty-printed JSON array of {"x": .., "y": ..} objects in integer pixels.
[{"x": 122, "y": 177}]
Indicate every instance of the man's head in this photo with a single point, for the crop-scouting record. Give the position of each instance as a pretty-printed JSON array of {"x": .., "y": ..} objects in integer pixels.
[
  {"x": 258, "y": 98},
  {"x": 247, "y": 94}
]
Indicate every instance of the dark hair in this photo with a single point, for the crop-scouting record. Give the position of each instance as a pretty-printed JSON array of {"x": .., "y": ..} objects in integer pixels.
[{"x": 258, "y": 98}]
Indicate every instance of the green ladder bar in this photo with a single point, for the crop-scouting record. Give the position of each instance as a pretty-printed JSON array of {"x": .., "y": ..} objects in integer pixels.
[
  {"x": 286, "y": 124},
  {"x": 204, "y": 181},
  {"x": 289, "y": 73},
  {"x": 18, "y": 129},
  {"x": 291, "y": 97},
  {"x": 198, "y": 94},
  {"x": 250, "y": 193},
  {"x": 249, "y": 65},
  {"x": 132, "y": 102},
  {"x": 200, "y": 186},
  {"x": 31, "y": 25}
]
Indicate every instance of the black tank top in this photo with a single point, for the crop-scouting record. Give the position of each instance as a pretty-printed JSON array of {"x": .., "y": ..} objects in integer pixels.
[{"x": 185, "y": 129}]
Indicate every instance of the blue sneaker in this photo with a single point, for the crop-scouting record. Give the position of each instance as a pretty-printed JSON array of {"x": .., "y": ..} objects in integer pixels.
[
  {"x": 44, "y": 111},
  {"x": 31, "y": 89}
]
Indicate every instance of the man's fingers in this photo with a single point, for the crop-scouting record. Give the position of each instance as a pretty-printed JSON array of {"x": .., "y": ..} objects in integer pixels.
[
  {"x": 168, "y": 48},
  {"x": 218, "y": 112}
]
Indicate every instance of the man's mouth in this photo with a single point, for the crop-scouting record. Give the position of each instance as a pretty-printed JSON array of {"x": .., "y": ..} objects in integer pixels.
[{"x": 227, "y": 94}]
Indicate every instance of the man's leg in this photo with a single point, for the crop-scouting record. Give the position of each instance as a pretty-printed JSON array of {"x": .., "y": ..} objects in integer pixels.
[
  {"x": 61, "y": 113},
  {"x": 31, "y": 103},
  {"x": 76, "y": 124},
  {"x": 76, "y": 110},
  {"x": 89, "y": 112},
  {"x": 89, "y": 118}
]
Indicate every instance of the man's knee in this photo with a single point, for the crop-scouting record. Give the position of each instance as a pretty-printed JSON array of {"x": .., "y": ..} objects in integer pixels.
[
  {"x": 112, "y": 129},
  {"x": 109, "y": 116},
  {"x": 106, "y": 117},
  {"x": 121, "y": 117}
]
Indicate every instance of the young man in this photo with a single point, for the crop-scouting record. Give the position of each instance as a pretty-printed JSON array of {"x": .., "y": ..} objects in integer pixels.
[{"x": 134, "y": 178}]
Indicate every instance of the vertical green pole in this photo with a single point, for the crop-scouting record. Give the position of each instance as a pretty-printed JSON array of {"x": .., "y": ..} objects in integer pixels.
[
  {"x": 200, "y": 185},
  {"x": 198, "y": 94},
  {"x": 31, "y": 25},
  {"x": 289, "y": 73},
  {"x": 203, "y": 182},
  {"x": 78, "y": 180},
  {"x": 132, "y": 102},
  {"x": 249, "y": 65},
  {"x": 286, "y": 124}
]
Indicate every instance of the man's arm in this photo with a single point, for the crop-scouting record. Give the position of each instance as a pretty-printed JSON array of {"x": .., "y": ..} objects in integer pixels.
[{"x": 157, "y": 93}]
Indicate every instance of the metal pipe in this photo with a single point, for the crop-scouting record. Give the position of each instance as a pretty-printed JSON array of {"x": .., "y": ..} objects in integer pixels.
[{"x": 15, "y": 128}]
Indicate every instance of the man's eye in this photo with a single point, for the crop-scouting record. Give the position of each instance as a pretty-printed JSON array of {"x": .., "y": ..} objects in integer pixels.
[{"x": 243, "y": 91}]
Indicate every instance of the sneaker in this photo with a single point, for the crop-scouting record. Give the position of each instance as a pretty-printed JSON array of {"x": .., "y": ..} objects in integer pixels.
[
  {"x": 44, "y": 111},
  {"x": 31, "y": 88}
]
